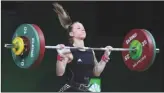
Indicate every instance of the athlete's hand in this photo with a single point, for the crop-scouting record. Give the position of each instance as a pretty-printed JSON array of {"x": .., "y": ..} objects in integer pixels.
[
  {"x": 106, "y": 54},
  {"x": 62, "y": 50}
]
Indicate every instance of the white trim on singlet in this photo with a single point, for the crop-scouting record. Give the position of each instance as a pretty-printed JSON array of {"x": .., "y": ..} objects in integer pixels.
[{"x": 64, "y": 88}]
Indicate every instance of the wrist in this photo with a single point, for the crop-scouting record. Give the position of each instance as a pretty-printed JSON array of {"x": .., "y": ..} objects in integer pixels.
[
  {"x": 59, "y": 58},
  {"x": 104, "y": 58}
]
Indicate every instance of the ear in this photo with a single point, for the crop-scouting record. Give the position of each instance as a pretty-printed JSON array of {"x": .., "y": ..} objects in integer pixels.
[{"x": 71, "y": 34}]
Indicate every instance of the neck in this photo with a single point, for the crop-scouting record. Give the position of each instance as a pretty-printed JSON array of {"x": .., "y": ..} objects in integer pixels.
[{"x": 78, "y": 43}]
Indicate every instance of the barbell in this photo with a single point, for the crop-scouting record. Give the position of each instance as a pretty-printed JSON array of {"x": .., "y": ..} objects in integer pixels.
[{"x": 28, "y": 48}]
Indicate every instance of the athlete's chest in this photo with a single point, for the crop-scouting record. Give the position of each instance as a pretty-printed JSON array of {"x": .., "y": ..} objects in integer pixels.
[{"x": 83, "y": 57}]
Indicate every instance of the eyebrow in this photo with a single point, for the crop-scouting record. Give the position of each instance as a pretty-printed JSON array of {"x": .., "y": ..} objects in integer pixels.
[{"x": 78, "y": 26}]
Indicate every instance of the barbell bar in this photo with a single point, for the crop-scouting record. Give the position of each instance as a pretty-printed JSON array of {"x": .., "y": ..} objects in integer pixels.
[{"x": 86, "y": 48}]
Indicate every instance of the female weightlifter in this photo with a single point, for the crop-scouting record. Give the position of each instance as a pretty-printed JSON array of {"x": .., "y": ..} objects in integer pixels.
[{"x": 79, "y": 65}]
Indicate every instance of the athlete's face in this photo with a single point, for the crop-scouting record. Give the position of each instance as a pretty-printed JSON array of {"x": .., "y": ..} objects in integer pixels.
[{"x": 78, "y": 31}]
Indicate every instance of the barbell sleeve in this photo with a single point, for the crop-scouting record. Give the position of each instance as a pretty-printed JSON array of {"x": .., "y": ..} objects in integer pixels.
[
  {"x": 8, "y": 45},
  {"x": 157, "y": 50}
]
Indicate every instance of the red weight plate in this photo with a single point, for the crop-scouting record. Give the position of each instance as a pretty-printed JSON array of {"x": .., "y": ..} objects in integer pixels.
[
  {"x": 148, "y": 50},
  {"x": 42, "y": 45}
]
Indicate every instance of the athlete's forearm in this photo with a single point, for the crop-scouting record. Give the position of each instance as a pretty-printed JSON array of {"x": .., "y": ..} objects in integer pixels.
[
  {"x": 99, "y": 67},
  {"x": 60, "y": 67}
]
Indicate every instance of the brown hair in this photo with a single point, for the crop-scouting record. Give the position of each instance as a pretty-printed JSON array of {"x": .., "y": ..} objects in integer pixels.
[{"x": 64, "y": 19}]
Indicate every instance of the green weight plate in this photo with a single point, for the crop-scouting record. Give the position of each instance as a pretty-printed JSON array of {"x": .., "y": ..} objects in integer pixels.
[{"x": 135, "y": 55}]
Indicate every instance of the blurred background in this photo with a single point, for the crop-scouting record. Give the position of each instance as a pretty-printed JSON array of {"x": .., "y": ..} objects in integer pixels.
[{"x": 106, "y": 23}]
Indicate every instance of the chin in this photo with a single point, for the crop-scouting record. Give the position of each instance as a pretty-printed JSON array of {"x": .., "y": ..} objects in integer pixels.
[{"x": 82, "y": 38}]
